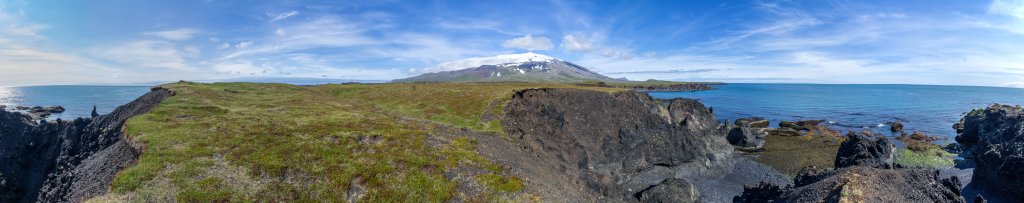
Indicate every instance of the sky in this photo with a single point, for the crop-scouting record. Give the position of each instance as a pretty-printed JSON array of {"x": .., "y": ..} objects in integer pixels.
[{"x": 968, "y": 42}]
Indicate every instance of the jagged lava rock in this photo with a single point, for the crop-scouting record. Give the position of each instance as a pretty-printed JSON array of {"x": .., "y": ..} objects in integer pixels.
[
  {"x": 860, "y": 150},
  {"x": 619, "y": 144},
  {"x": 994, "y": 138}
]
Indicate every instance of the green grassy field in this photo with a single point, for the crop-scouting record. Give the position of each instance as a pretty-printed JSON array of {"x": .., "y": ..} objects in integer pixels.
[{"x": 243, "y": 142}]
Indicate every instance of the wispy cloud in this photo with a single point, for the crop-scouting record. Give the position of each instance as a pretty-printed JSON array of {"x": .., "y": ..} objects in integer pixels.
[
  {"x": 175, "y": 34},
  {"x": 282, "y": 16}
]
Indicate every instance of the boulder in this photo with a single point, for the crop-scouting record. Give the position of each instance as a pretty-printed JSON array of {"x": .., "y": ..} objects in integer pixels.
[
  {"x": 896, "y": 126},
  {"x": 859, "y": 150},
  {"x": 804, "y": 125},
  {"x": 747, "y": 138},
  {"x": 753, "y": 122},
  {"x": 994, "y": 138}
]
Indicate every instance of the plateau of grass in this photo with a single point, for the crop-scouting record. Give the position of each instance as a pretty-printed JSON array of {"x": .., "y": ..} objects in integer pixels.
[{"x": 246, "y": 142}]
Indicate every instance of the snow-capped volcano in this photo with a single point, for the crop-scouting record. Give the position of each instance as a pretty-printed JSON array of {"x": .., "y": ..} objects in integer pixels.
[
  {"x": 506, "y": 59},
  {"x": 525, "y": 67}
]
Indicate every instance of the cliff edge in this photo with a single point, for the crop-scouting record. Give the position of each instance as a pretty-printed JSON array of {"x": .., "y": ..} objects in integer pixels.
[{"x": 67, "y": 161}]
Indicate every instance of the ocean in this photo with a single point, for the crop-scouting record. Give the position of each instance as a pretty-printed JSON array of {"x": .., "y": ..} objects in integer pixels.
[
  {"x": 926, "y": 108},
  {"x": 77, "y": 100}
]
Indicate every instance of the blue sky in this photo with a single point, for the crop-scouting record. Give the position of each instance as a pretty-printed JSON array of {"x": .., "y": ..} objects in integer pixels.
[{"x": 905, "y": 42}]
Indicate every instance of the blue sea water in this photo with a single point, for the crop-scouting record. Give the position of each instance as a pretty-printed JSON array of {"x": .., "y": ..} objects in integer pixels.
[
  {"x": 926, "y": 108},
  {"x": 77, "y": 100}
]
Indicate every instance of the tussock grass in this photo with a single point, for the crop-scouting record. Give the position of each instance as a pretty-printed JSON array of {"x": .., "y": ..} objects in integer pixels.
[{"x": 244, "y": 142}]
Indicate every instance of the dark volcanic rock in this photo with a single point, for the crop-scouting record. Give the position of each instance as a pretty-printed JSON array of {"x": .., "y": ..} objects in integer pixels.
[
  {"x": 672, "y": 190},
  {"x": 896, "y": 126},
  {"x": 66, "y": 161},
  {"x": 858, "y": 150},
  {"x": 620, "y": 144},
  {"x": 800, "y": 125},
  {"x": 748, "y": 134},
  {"x": 753, "y": 122},
  {"x": 868, "y": 184},
  {"x": 747, "y": 138},
  {"x": 783, "y": 132},
  {"x": 763, "y": 192},
  {"x": 994, "y": 139}
]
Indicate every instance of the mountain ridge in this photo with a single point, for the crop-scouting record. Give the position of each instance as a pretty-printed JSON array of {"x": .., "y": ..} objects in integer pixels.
[{"x": 525, "y": 67}]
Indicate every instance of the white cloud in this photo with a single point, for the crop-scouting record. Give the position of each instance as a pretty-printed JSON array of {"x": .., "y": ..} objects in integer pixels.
[
  {"x": 1013, "y": 8},
  {"x": 279, "y": 32},
  {"x": 575, "y": 43},
  {"x": 175, "y": 34},
  {"x": 529, "y": 42},
  {"x": 147, "y": 54},
  {"x": 224, "y": 46},
  {"x": 282, "y": 16},
  {"x": 243, "y": 44}
]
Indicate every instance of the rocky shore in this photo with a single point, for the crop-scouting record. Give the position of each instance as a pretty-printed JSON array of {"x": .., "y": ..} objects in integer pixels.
[
  {"x": 66, "y": 161},
  {"x": 994, "y": 139}
]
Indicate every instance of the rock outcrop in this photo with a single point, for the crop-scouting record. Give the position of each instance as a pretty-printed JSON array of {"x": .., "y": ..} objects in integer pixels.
[
  {"x": 895, "y": 126},
  {"x": 994, "y": 138},
  {"x": 623, "y": 146},
  {"x": 865, "y": 175},
  {"x": 67, "y": 161},
  {"x": 748, "y": 134},
  {"x": 800, "y": 125},
  {"x": 860, "y": 150}
]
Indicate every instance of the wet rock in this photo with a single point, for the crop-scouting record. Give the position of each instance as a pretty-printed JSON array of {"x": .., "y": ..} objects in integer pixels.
[
  {"x": 994, "y": 138},
  {"x": 859, "y": 150},
  {"x": 67, "y": 161},
  {"x": 803, "y": 125},
  {"x": 783, "y": 132},
  {"x": 896, "y": 126},
  {"x": 616, "y": 153},
  {"x": 979, "y": 199},
  {"x": 672, "y": 190},
  {"x": 753, "y": 122}
]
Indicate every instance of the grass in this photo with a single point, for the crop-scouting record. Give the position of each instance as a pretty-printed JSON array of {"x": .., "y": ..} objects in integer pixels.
[
  {"x": 789, "y": 154},
  {"x": 245, "y": 142},
  {"x": 931, "y": 158}
]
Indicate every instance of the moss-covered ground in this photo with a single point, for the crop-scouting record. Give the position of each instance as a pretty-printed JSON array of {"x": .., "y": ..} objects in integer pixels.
[
  {"x": 245, "y": 142},
  {"x": 789, "y": 154}
]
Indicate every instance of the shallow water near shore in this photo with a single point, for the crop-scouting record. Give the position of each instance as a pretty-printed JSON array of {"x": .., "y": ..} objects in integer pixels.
[
  {"x": 77, "y": 100},
  {"x": 926, "y": 108}
]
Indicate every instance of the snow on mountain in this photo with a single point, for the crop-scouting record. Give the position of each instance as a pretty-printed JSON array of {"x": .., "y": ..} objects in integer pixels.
[{"x": 502, "y": 60}]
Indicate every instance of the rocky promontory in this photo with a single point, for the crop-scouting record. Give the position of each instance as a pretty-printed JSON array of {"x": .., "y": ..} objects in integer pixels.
[
  {"x": 994, "y": 139},
  {"x": 67, "y": 161}
]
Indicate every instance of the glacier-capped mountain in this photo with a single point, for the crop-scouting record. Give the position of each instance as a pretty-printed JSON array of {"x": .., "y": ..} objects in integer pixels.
[{"x": 525, "y": 67}]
